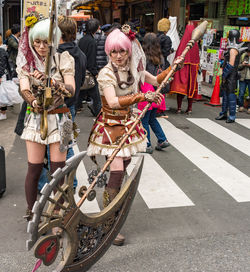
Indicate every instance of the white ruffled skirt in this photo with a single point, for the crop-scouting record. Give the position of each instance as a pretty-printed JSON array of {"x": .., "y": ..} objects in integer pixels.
[
  {"x": 32, "y": 133},
  {"x": 137, "y": 142}
]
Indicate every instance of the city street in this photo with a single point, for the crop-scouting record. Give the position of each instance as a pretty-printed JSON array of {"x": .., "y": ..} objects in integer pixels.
[{"x": 191, "y": 211}]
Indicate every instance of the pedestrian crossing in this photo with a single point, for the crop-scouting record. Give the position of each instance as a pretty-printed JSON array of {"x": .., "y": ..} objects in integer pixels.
[
  {"x": 244, "y": 122},
  {"x": 158, "y": 190}
]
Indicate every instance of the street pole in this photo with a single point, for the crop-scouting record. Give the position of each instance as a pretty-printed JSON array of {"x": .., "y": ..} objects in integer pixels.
[{"x": 1, "y": 17}]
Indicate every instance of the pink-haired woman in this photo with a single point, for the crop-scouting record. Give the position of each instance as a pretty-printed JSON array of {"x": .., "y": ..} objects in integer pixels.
[{"x": 118, "y": 86}]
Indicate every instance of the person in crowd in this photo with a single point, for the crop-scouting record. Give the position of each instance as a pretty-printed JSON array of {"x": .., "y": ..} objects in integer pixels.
[
  {"x": 244, "y": 71},
  {"x": 68, "y": 28},
  {"x": 163, "y": 27},
  {"x": 13, "y": 41},
  {"x": 88, "y": 46},
  {"x": 154, "y": 65},
  {"x": 7, "y": 34},
  {"x": 185, "y": 80},
  {"x": 4, "y": 67},
  {"x": 118, "y": 85},
  {"x": 33, "y": 49},
  {"x": 140, "y": 35},
  {"x": 230, "y": 77},
  {"x": 101, "y": 57}
]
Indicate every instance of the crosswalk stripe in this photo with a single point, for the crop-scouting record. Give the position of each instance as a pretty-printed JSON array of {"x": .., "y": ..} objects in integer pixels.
[
  {"x": 229, "y": 178},
  {"x": 244, "y": 122},
  {"x": 82, "y": 177},
  {"x": 157, "y": 188},
  {"x": 223, "y": 134}
]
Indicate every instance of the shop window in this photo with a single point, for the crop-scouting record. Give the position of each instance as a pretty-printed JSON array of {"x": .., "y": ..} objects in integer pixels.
[{"x": 196, "y": 11}]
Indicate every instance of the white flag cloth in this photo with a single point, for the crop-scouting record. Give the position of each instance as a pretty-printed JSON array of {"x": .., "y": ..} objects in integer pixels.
[{"x": 173, "y": 34}]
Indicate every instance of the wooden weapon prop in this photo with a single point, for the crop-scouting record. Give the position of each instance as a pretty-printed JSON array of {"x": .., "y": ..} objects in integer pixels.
[
  {"x": 85, "y": 237},
  {"x": 47, "y": 95}
]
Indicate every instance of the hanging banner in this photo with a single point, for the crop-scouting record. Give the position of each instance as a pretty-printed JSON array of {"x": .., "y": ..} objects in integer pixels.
[
  {"x": 245, "y": 34},
  {"x": 41, "y": 6}
]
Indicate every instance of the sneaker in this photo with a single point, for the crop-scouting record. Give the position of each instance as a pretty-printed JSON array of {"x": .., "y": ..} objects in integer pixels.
[
  {"x": 241, "y": 109},
  {"x": 149, "y": 149},
  {"x": 3, "y": 116},
  {"x": 248, "y": 111},
  {"x": 162, "y": 145}
]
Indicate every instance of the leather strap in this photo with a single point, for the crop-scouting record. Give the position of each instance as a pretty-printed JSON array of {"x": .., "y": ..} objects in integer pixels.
[
  {"x": 123, "y": 84},
  {"x": 59, "y": 110},
  {"x": 28, "y": 96}
]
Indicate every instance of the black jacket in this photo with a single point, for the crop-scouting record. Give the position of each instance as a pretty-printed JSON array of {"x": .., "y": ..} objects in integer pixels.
[
  {"x": 101, "y": 57},
  {"x": 80, "y": 68},
  {"x": 166, "y": 45},
  {"x": 88, "y": 46},
  {"x": 3, "y": 62}
]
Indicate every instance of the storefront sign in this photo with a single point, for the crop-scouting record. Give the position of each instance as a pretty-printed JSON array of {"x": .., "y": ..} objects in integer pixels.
[
  {"x": 208, "y": 59},
  {"x": 41, "y": 6},
  {"x": 245, "y": 34},
  {"x": 238, "y": 7}
]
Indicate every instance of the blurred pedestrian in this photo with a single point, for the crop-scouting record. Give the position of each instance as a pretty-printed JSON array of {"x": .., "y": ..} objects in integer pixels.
[
  {"x": 4, "y": 67},
  {"x": 244, "y": 71},
  {"x": 155, "y": 65},
  {"x": 163, "y": 27},
  {"x": 101, "y": 57},
  {"x": 13, "y": 41},
  {"x": 7, "y": 34},
  {"x": 141, "y": 34},
  {"x": 89, "y": 47},
  {"x": 185, "y": 80},
  {"x": 230, "y": 77}
]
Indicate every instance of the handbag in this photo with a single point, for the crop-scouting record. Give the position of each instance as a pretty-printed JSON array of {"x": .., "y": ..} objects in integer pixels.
[{"x": 89, "y": 81}]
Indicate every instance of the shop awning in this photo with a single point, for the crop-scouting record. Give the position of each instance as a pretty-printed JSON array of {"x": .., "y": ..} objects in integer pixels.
[{"x": 80, "y": 17}]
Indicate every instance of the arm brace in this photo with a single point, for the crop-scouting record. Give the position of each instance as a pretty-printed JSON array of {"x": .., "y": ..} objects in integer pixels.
[
  {"x": 64, "y": 89},
  {"x": 131, "y": 99},
  {"x": 163, "y": 74},
  {"x": 227, "y": 70},
  {"x": 28, "y": 96}
]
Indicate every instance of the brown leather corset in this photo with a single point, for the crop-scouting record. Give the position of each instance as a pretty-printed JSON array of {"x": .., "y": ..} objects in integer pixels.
[{"x": 115, "y": 114}]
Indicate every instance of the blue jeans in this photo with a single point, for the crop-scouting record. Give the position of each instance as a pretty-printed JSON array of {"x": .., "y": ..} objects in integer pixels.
[
  {"x": 149, "y": 119},
  {"x": 44, "y": 175},
  {"x": 229, "y": 103},
  {"x": 243, "y": 86}
]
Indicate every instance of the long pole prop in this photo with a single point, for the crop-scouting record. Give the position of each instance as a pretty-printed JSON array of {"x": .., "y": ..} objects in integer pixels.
[{"x": 197, "y": 33}]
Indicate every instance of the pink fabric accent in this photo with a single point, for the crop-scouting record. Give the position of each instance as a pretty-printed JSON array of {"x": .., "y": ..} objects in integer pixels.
[
  {"x": 24, "y": 47},
  {"x": 37, "y": 265},
  {"x": 146, "y": 87}
]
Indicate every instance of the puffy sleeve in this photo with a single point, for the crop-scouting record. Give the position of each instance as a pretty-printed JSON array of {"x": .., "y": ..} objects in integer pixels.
[
  {"x": 106, "y": 78},
  {"x": 67, "y": 64},
  {"x": 22, "y": 73}
]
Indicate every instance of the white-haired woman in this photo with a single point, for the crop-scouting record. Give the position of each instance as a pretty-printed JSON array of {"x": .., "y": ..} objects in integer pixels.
[{"x": 33, "y": 49}]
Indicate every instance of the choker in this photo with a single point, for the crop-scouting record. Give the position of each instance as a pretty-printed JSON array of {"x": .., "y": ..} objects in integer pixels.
[{"x": 123, "y": 84}]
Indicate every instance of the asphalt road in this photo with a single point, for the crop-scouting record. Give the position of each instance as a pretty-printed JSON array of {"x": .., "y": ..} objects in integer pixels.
[{"x": 202, "y": 226}]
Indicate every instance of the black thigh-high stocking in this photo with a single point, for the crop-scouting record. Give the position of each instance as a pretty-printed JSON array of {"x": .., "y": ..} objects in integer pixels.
[{"x": 31, "y": 182}]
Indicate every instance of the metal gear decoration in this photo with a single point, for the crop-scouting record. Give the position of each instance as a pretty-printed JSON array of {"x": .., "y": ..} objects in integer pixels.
[
  {"x": 101, "y": 180},
  {"x": 85, "y": 237}
]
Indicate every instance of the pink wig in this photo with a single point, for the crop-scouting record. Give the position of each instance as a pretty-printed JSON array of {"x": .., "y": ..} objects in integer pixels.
[{"x": 117, "y": 40}]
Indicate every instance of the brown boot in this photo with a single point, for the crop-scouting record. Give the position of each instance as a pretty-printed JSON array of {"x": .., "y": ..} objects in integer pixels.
[
  {"x": 29, "y": 215},
  {"x": 108, "y": 195}
]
